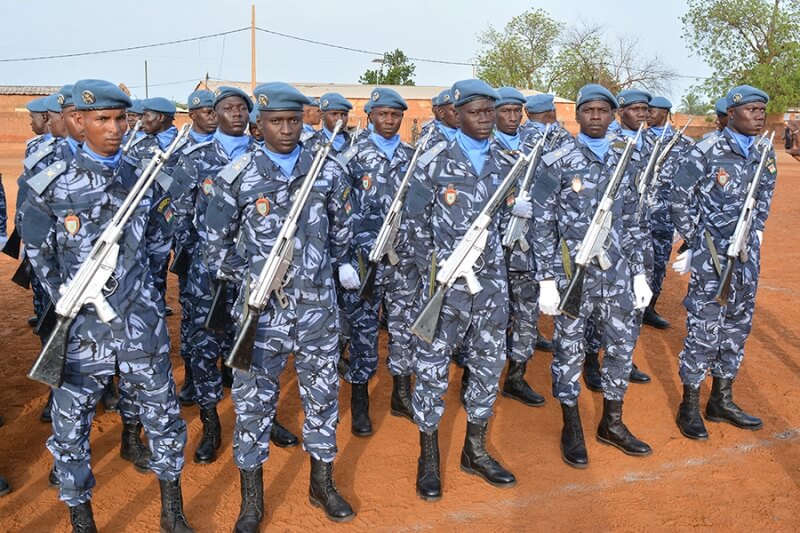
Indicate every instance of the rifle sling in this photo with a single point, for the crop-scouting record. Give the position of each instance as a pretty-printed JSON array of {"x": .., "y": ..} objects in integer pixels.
[
  {"x": 714, "y": 254},
  {"x": 565, "y": 259}
]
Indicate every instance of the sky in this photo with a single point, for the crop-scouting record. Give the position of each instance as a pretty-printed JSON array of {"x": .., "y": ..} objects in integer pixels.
[{"x": 445, "y": 30}]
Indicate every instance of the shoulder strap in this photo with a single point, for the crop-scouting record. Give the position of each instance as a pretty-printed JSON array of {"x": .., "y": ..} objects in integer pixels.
[
  {"x": 41, "y": 181},
  {"x": 232, "y": 170},
  {"x": 426, "y": 158}
]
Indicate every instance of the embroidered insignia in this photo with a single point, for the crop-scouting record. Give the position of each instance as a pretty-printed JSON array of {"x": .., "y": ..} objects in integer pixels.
[
  {"x": 771, "y": 166},
  {"x": 262, "y": 206},
  {"x": 346, "y": 193},
  {"x": 72, "y": 223},
  {"x": 208, "y": 185},
  {"x": 88, "y": 97},
  {"x": 263, "y": 100},
  {"x": 722, "y": 176},
  {"x": 163, "y": 205},
  {"x": 577, "y": 184},
  {"x": 450, "y": 195},
  {"x": 366, "y": 182},
  {"x": 168, "y": 215},
  {"x": 348, "y": 207},
  {"x": 196, "y": 100}
]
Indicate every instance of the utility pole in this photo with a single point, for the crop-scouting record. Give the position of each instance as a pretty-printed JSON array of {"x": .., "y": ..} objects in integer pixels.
[
  {"x": 146, "y": 88},
  {"x": 252, "y": 49}
]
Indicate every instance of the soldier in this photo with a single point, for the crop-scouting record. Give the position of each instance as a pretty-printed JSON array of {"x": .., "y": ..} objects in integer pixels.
[
  {"x": 254, "y": 130},
  {"x": 445, "y": 122},
  {"x": 721, "y": 111},
  {"x": 447, "y": 190},
  {"x": 251, "y": 200},
  {"x": 311, "y": 117},
  {"x": 376, "y": 167},
  {"x": 334, "y": 107},
  {"x": 568, "y": 189},
  {"x": 203, "y": 116},
  {"x": 542, "y": 119},
  {"x": 37, "y": 109},
  {"x": 66, "y": 212},
  {"x": 707, "y": 195},
  {"x": 132, "y": 116}
]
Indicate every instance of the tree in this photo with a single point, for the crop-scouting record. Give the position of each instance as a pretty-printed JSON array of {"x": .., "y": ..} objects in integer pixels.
[
  {"x": 748, "y": 41},
  {"x": 519, "y": 55},
  {"x": 396, "y": 69},
  {"x": 692, "y": 104}
]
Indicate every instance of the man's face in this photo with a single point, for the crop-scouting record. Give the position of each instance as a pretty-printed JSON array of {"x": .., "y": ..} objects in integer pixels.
[
  {"x": 56, "y": 124},
  {"x": 255, "y": 131},
  {"x": 449, "y": 115},
  {"x": 386, "y": 121},
  {"x": 153, "y": 122},
  {"x": 748, "y": 119},
  {"x": 594, "y": 118},
  {"x": 721, "y": 121},
  {"x": 104, "y": 129},
  {"x": 204, "y": 120},
  {"x": 70, "y": 115},
  {"x": 476, "y": 118},
  {"x": 633, "y": 116},
  {"x": 281, "y": 130},
  {"x": 329, "y": 119},
  {"x": 508, "y": 118},
  {"x": 38, "y": 122},
  {"x": 656, "y": 117},
  {"x": 233, "y": 115},
  {"x": 312, "y": 115},
  {"x": 132, "y": 118}
]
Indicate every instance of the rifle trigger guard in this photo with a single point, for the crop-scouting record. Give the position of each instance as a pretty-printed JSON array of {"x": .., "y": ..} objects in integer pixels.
[{"x": 111, "y": 286}]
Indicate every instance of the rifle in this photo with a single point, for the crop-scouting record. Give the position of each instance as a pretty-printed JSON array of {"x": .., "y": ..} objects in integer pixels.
[
  {"x": 594, "y": 242},
  {"x": 355, "y": 134},
  {"x": 462, "y": 259},
  {"x": 738, "y": 247},
  {"x": 385, "y": 241},
  {"x": 94, "y": 274},
  {"x": 646, "y": 177},
  {"x": 271, "y": 279},
  {"x": 518, "y": 226},
  {"x": 130, "y": 140},
  {"x": 662, "y": 156}
]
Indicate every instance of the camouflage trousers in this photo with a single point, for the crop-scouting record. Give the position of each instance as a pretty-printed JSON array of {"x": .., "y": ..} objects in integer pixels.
[
  {"x": 310, "y": 334},
  {"x": 523, "y": 292},
  {"x": 615, "y": 326},
  {"x": 398, "y": 293},
  {"x": 185, "y": 301},
  {"x": 662, "y": 249},
  {"x": 474, "y": 325}
]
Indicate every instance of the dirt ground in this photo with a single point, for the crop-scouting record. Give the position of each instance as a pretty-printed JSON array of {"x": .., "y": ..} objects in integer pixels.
[{"x": 735, "y": 481}]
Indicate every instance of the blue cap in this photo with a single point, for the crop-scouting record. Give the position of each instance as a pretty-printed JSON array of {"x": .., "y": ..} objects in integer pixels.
[
  {"x": 37, "y": 105},
  {"x": 660, "y": 102},
  {"x": 314, "y": 102},
  {"x": 385, "y": 97},
  {"x": 468, "y": 90},
  {"x": 159, "y": 104},
  {"x": 200, "y": 98},
  {"x": 633, "y": 96},
  {"x": 99, "y": 94},
  {"x": 745, "y": 94},
  {"x": 721, "y": 107},
  {"x": 51, "y": 103},
  {"x": 225, "y": 91},
  {"x": 593, "y": 93},
  {"x": 279, "y": 96},
  {"x": 254, "y": 116},
  {"x": 443, "y": 98},
  {"x": 136, "y": 107},
  {"x": 540, "y": 103},
  {"x": 509, "y": 96},
  {"x": 334, "y": 102},
  {"x": 64, "y": 96}
]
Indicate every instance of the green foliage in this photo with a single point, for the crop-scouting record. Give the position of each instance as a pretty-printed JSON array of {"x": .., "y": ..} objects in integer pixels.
[
  {"x": 396, "y": 69},
  {"x": 693, "y": 104}
]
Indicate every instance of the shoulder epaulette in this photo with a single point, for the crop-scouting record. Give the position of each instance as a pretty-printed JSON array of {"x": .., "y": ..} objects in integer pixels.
[
  {"x": 43, "y": 150},
  {"x": 232, "y": 170},
  {"x": 306, "y": 135},
  {"x": 426, "y": 158},
  {"x": 189, "y": 149},
  {"x": 41, "y": 181},
  {"x": 705, "y": 145},
  {"x": 32, "y": 140},
  {"x": 551, "y": 157},
  {"x": 344, "y": 157},
  {"x": 508, "y": 155}
]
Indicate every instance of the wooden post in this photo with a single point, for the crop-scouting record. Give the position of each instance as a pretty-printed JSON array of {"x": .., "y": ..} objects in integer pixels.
[{"x": 252, "y": 49}]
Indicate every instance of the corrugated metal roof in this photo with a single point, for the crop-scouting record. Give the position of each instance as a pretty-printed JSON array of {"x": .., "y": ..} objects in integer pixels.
[{"x": 29, "y": 90}]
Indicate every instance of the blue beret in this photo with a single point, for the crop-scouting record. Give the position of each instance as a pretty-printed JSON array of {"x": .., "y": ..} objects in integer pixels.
[
  {"x": 468, "y": 90},
  {"x": 661, "y": 103},
  {"x": 279, "y": 96},
  {"x": 334, "y": 102},
  {"x": 593, "y": 93},
  {"x": 254, "y": 116},
  {"x": 745, "y": 94},
  {"x": 159, "y": 105},
  {"x": 64, "y": 96},
  {"x": 37, "y": 105},
  {"x": 314, "y": 102},
  {"x": 633, "y": 96},
  {"x": 51, "y": 103},
  {"x": 509, "y": 96},
  {"x": 540, "y": 103},
  {"x": 136, "y": 107},
  {"x": 224, "y": 91},
  {"x": 200, "y": 98},
  {"x": 385, "y": 97},
  {"x": 721, "y": 107},
  {"x": 444, "y": 98},
  {"x": 99, "y": 94}
]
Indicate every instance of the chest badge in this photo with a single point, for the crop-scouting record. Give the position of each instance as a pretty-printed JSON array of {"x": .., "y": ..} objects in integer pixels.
[
  {"x": 208, "y": 185},
  {"x": 262, "y": 206},
  {"x": 723, "y": 177},
  {"x": 450, "y": 195},
  {"x": 366, "y": 182},
  {"x": 577, "y": 184},
  {"x": 72, "y": 223}
]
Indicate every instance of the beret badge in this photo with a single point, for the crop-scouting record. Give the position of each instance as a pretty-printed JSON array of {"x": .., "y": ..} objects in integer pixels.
[
  {"x": 60, "y": 99},
  {"x": 456, "y": 95},
  {"x": 196, "y": 100},
  {"x": 88, "y": 97},
  {"x": 737, "y": 98},
  {"x": 263, "y": 100},
  {"x": 375, "y": 96}
]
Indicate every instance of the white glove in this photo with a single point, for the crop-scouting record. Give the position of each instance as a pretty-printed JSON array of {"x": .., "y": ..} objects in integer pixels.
[
  {"x": 683, "y": 264},
  {"x": 642, "y": 294},
  {"x": 522, "y": 207},
  {"x": 348, "y": 277},
  {"x": 548, "y": 297},
  {"x": 760, "y": 235}
]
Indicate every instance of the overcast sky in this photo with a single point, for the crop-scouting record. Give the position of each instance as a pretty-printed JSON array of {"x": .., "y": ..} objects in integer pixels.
[{"x": 443, "y": 30}]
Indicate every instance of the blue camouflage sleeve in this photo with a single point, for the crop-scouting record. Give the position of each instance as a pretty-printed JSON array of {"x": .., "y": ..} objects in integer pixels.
[
  {"x": 545, "y": 219},
  {"x": 341, "y": 213},
  {"x": 416, "y": 236},
  {"x": 38, "y": 232},
  {"x": 222, "y": 227},
  {"x": 684, "y": 207}
]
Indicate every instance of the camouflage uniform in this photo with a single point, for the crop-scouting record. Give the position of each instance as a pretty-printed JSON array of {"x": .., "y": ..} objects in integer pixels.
[
  {"x": 251, "y": 199},
  {"x": 707, "y": 195},
  {"x": 320, "y": 138},
  {"x": 531, "y": 131},
  {"x": 65, "y": 213},
  {"x": 567, "y": 191},
  {"x": 438, "y": 135}
]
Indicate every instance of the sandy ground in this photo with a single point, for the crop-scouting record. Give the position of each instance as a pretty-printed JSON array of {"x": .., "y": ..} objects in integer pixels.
[{"x": 737, "y": 480}]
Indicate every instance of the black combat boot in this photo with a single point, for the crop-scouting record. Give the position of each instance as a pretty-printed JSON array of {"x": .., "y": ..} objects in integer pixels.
[
  {"x": 475, "y": 459},
  {"x": 573, "y": 446},
  {"x": 52, "y": 478},
  {"x": 172, "y": 518},
  {"x": 186, "y": 396},
  {"x": 401, "y": 397},
  {"x": 47, "y": 416},
  {"x": 637, "y": 376},
  {"x": 5, "y": 488},
  {"x": 110, "y": 398},
  {"x": 360, "y": 425},
  {"x": 343, "y": 365},
  {"x": 82, "y": 518},
  {"x": 133, "y": 449},
  {"x": 429, "y": 481},
  {"x": 591, "y": 372},
  {"x": 613, "y": 431},
  {"x": 689, "y": 420},
  {"x": 543, "y": 345},
  {"x": 464, "y": 383},
  {"x": 251, "y": 511},
  {"x": 280, "y": 436},
  {"x": 212, "y": 437},
  {"x": 721, "y": 407},
  {"x": 322, "y": 493},
  {"x": 651, "y": 316},
  {"x": 515, "y": 386}
]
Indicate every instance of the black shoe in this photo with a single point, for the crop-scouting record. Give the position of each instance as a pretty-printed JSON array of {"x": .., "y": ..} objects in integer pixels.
[
  {"x": 46, "y": 416},
  {"x": 614, "y": 432},
  {"x": 475, "y": 459},
  {"x": 516, "y": 388},
  {"x": 52, "y": 479},
  {"x": 544, "y": 345},
  {"x": 227, "y": 375},
  {"x": 133, "y": 449},
  {"x": 343, "y": 365},
  {"x": 722, "y": 408},
  {"x": 464, "y": 383},
  {"x": 186, "y": 396},
  {"x": 637, "y": 376},
  {"x": 251, "y": 511},
  {"x": 172, "y": 517},
  {"x": 322, "y": 493},
  {"x": 360, "y": 424},
  {"x": 689, "y": 420},
  {"x": 82, "y": 518},
  {"x": 591, "y": 372},
  {"x": 282, "y": 437},
  {"x": 5, "y": 488},
  {"x": 32, "y": 321},
  {"x": 168, "y": 311},
  {"x": 651, "y": 316},
  {"x": 212, "y": 437},
  {"x": 110, "y": 398},
  {"x": 401, "y": 397},
  {"x": 429, "y": 481},
  {"x": 573, "y": 445}
]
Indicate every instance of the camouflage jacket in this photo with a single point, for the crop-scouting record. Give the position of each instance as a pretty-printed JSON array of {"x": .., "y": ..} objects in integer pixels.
[
  {"x": 661, "y": 185},
  {"x": 529, "y": 135},
  {"x": 319, "y": 139}
]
